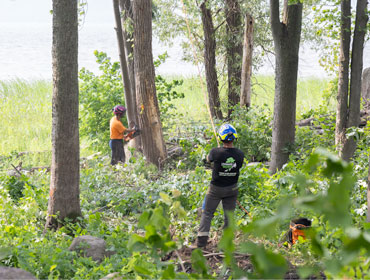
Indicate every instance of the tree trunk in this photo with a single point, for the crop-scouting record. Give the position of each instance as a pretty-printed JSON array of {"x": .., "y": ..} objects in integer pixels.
[
  {"x": 128, "y": 38},
  {"x": 234, "y": 52},
  {"x": 130, "y": 98},
  {"x": 286, "y": 35},
  {"x": 350, "y": 144},
  {"x": 246, "y": 89},
  {"x": 124, "y": 67},
  {"x": 64, "y": 200},
  {"x": 152, "y": 136},
  {"x": 210, "y": 61},
  {"x": 368, "y": 195},
  {"x": 343, "y": 79},
  {"x": 127, "y": 23}
]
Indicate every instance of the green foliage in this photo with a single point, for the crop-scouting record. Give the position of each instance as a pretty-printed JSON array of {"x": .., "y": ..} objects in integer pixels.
[
  {"x": 15, "y": 186},
  {"x": 254, "y": 132},
  {"x": 154, "y": 212},
  {"x": 98, "y": 95}
]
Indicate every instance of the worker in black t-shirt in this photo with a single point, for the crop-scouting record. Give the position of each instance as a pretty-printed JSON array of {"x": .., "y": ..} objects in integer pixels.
[{"x": 227, "y": 161}]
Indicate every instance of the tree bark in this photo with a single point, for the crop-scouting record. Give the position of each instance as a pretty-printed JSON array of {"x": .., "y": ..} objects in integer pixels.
[
  {"x": 127, "y": 23},
  {"x": 343, "y": 79},
  {"x": 128, "y": 38},
  {"x": 210, "y": 62},
  {"x": 350, "y": 144},
  {"x": 246, "y": 89},
  {"x": 64, "y": 201},
  {"x": 368, "y": 195},
  {"x": 124, "y": 67},
  {"x": 130, "y": 97},
  {"x": 286, "y": 35},
  {"x": 152, "y": 136},
  {"x": 234, "y": 52}
]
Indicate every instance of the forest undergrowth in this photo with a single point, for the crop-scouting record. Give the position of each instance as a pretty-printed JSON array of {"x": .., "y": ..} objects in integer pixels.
[{"x": 149, "y": 216}]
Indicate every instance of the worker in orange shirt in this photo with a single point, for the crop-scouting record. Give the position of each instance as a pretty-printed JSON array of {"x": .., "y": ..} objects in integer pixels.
[{"x": 118, "y": 133}]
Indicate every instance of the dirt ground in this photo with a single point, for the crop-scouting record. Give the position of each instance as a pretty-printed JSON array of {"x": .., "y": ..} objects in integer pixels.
[{"x": 215, "y": 260}]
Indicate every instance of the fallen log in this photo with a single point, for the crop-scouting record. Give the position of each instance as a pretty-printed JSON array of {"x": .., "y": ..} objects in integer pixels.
[{"x": 364, "y": 115}]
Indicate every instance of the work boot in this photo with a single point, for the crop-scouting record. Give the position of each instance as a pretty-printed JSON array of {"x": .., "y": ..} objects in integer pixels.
[{"x": 202, "y": 241}]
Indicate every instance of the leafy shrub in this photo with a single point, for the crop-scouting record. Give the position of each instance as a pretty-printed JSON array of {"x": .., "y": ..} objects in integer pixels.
[
  {"x": 15, "y": 186},
  {"x": 100, "y": 93},
  {"x": 254, "y": 130}
]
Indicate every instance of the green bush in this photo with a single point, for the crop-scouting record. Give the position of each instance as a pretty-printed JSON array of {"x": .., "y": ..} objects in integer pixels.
[
  {"x": 100, "y": 93},
  {"x": 254, "y": 129}
]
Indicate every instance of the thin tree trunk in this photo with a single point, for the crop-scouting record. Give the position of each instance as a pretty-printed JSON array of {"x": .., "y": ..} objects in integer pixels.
[
  {"x": 350, "y": 144},
  {"x": 234, "y": 52},
  {"x": 210, "y": 61},
  {"x": 286, "y": 37},
  {"x": 152, "y": 136},
  {"x": 128, "y": 38},
  {"x": 124, "y": 67},
  {"x": 368, "y": 195},
  {"x": 130, "y": 98},
  {"x": 64, "y": 200},
  {"x": 343, "y": 79},
  {"x": 246, "y": 89}
]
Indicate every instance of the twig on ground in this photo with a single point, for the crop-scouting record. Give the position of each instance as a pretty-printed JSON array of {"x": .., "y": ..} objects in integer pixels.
[
  {"x": 181, "y": 262},
  {"x": 15, "y": 168}
]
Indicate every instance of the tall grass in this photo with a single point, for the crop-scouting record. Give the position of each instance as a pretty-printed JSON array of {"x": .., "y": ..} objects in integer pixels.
[
  {"x": 25, "y": 117},
  {"x": 310, "y": 95},
  {"x": 25, "y": 107}
]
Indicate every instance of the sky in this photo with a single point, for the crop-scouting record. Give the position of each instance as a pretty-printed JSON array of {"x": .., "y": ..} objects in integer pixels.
[
  {"x": 97, "y": 33},
  {"x": 25, "y": 32},
  {"x": 98, "y": 11}
]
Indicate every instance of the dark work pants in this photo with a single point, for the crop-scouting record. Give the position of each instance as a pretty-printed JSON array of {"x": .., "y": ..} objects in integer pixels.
[
  {"x": 118, "y": 153},
  {"x": 228, "y": 196}
]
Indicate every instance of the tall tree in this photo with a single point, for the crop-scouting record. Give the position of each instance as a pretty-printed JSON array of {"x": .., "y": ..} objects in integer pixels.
[
  {"x": 127, "y": 77},
  {"x": 64, "y": 200},
  {"x": 128, "y": 38},
  {"x": 246, "y": 88},
  {"x": 349, "y": 112},
  {"x": 234, "y": 51},
  {"x": 286, "y": 35},
  {"x": 154, "y": 148},
  {"x": 368, "y": 195},
  {"x": 210, "y": 61},
  {"x": 343, "y": 79}
]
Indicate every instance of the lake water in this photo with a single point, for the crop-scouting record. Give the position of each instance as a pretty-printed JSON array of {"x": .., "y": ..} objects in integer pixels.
[{"x": 25, "y": 52}]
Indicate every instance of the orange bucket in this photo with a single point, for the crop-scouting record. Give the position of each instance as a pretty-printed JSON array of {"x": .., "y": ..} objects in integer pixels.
[{"x": 297, "y": 227}]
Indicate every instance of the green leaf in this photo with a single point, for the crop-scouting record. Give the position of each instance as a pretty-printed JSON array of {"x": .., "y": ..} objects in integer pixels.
[
  {"x": 165, "y": 198},
  {"x": 5, "y": 252},
  {"x": 268, "y": 265},
  {"x": 199, "y": 262},
  {"x": 136, "y": 243},
  {"x": 142, "y": 270},
  {"x": 169, "y": 273}
]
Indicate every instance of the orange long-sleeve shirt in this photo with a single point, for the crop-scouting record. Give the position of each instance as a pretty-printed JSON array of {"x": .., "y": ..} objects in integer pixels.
[{"x": 116, "y": 128}]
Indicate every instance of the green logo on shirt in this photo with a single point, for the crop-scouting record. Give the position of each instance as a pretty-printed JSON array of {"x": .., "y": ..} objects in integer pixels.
[{"x": 229, "y": 164}]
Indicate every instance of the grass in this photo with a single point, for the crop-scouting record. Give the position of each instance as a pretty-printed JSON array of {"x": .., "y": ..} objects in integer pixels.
[
  {"x": 310, "y": 94},
  {"x": 26, "y": 108},
  {"x": 25, "y": 116}
]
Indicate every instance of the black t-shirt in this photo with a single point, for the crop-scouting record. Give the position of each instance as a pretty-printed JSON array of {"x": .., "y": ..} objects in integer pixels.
[{"x": 226, "y": 165}]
